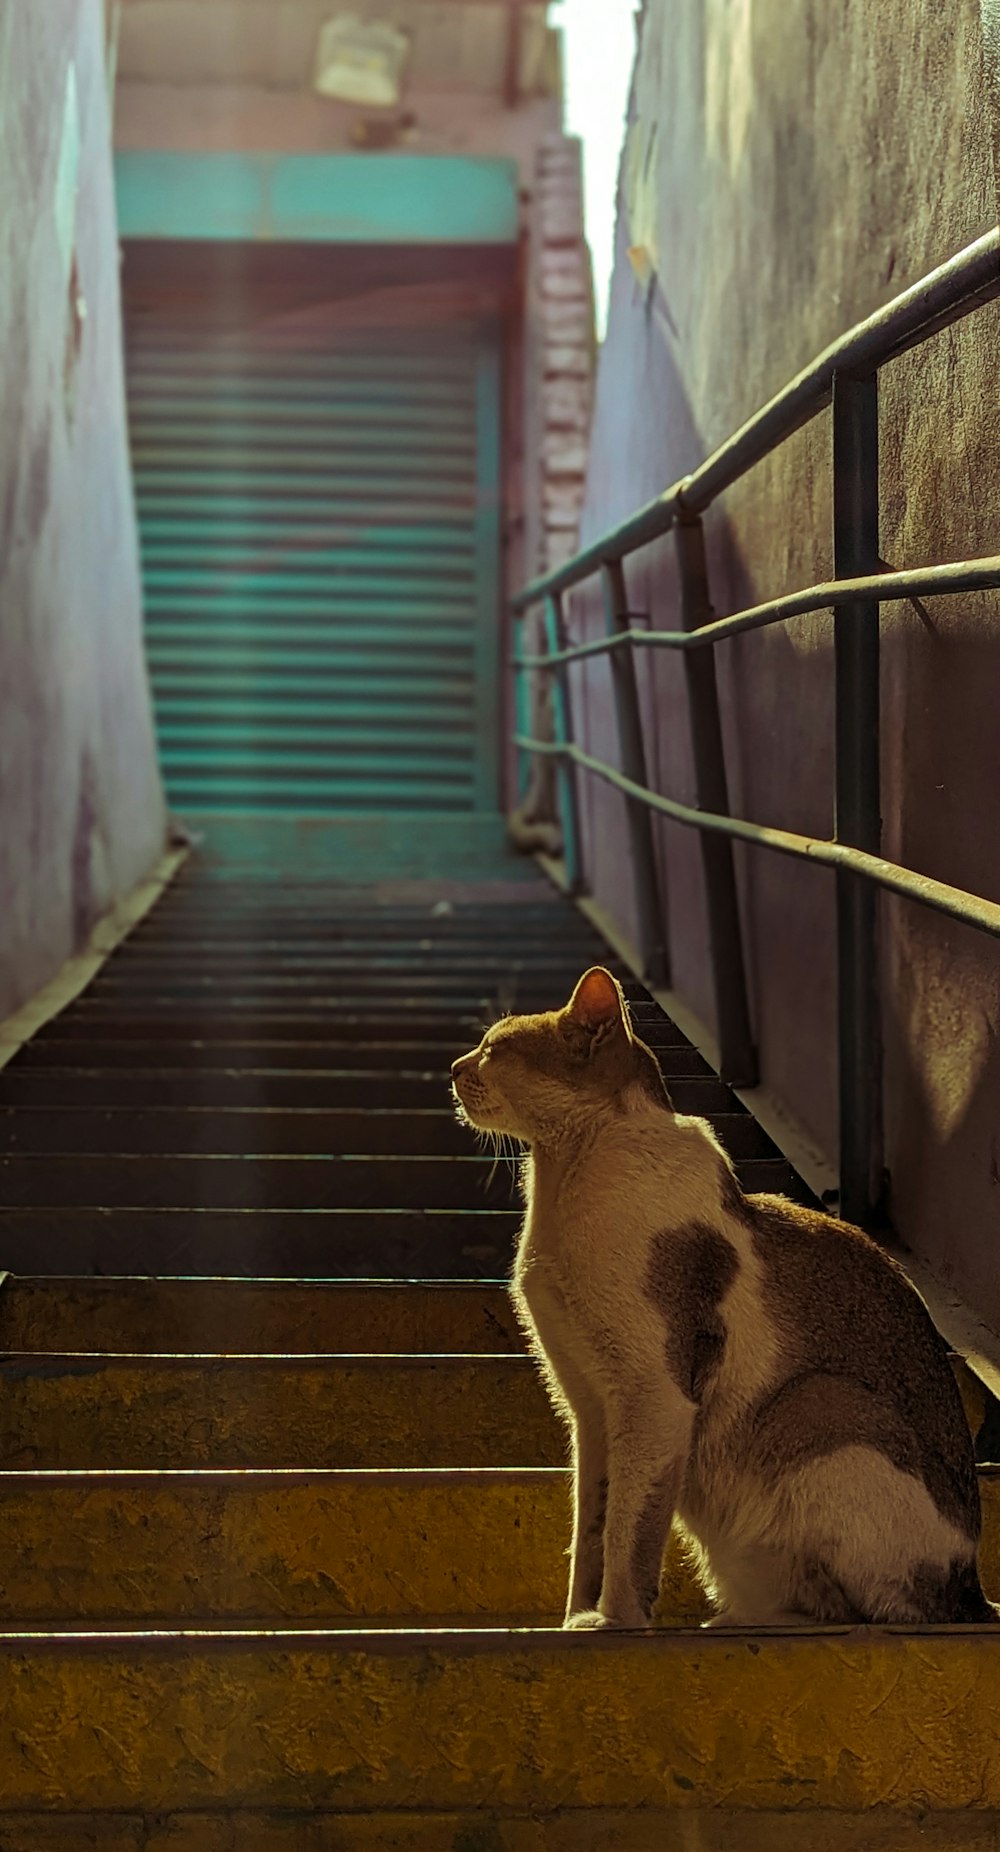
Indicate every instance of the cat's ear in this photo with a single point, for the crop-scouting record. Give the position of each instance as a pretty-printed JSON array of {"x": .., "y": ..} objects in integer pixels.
[{"x": 597, "y": 1006}]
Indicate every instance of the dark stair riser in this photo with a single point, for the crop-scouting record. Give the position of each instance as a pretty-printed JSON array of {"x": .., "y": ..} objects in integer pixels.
[
  {"x": 100, "y": 1089},
  {"x": 281, "y": 1131},
  {"x": 154, "y": 1018},
  {"x": 420, "y": 959},
  {"x": 127, "y": 1181},
  {"x": 298, "y": 1243},
  {"x": 76, "y": 1047},
  {"x": 430, "y": 991}
]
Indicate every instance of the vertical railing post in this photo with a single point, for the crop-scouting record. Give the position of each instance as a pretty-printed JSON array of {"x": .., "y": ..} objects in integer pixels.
[
  {"x": 562, "y": 716},
  {"x": 737, "y": 1055},
  {"x": 522, "y": 706},
  {"x": 858, "y": 808},
  {"x": 649, "y": 898}
]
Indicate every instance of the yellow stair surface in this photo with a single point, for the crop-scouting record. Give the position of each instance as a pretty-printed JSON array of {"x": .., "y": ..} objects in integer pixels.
[{"x": 284, "y": 1557}]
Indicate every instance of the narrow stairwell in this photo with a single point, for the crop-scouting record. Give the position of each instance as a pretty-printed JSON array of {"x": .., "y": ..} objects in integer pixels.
[{"x": 278, "y": 1479}]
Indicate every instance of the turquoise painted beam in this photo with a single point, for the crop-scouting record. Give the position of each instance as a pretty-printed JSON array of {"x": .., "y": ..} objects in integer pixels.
[{"x": 317, "y": 198}]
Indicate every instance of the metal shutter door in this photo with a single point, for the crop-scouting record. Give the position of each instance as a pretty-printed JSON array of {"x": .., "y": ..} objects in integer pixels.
[{"x": 318, "y": 523}]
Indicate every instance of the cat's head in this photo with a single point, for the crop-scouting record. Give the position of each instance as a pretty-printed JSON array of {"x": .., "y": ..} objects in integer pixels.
[{"x": 532, "y": 1075}]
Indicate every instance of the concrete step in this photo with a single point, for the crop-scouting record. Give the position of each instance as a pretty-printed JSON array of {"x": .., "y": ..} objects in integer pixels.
[
  {"x": 251, "y": 987},
  {"x": 419, "y": 1132},
  {"x": 375, "y": 970},
  {"x": 156, "y": 1409},
  {"x": 547, "y": 916},
  {"x": 335, "y": 1023},
  {"x": 561, "y": 1829},
  {"x": 471, "y": 1547},
  {"x": 194, "y": 1180},
  {"x": 277, "y": 1316},
  {"x": 461, "y": 1022},
  {"x": 449, "y": 963},
  {"x": 304, "y": 1243},
  {"x": 138, "y": 1088},
  {"x": 343, "y": 1722},
  {"x": 291, "y": 1316},
  {"x": 465, "y": 1548},
  {"x": 327, "y": 909},
  {"x": 93, "y": 1412},
  {"x": 330, "y": 1019},
  {"x": 63, "y": 1045}
]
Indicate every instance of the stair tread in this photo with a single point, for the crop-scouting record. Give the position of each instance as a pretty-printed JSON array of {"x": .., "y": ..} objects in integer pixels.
[
  {"x": 136, "y": 1410},
  {"x": 55, "y": 1313},
  {"x": 574, "y": 1720}
]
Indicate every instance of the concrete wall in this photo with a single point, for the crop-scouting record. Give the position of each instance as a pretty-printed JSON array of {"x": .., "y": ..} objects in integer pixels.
[
  {"x": 81, "y": 811},
  {"x": 790, "y": 166}
]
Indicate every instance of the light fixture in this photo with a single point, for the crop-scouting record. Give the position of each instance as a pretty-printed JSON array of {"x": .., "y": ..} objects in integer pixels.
[{"x": 361, "y": 60}]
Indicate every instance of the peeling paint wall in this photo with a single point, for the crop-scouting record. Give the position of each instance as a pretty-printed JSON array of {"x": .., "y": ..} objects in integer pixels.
[
  {"x": 81, "y": 811},
  {"x": 791, "y": 166}
]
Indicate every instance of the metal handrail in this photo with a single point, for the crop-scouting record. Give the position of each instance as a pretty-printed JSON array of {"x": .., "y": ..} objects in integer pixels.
[
  {"x": 846, "y": 376},
  {"x": 940, "y": 896},
  {"x": 971, "y": 575},
  {"x": 948, "y": 294}
]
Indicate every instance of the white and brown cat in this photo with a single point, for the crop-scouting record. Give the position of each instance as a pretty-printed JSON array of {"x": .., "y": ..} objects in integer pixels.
[{"x": 757, "y": 1370}]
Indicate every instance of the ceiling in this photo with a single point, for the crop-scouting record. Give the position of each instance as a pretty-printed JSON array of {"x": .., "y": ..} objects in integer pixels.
[{"x": 457, "y": 45}]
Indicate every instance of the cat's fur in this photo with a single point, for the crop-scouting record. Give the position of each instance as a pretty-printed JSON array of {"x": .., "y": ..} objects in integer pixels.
[{"x": 760, "y": 1371}]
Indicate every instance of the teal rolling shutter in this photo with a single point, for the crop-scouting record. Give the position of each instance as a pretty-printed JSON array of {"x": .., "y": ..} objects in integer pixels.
[{"x": 318, "y": 522}]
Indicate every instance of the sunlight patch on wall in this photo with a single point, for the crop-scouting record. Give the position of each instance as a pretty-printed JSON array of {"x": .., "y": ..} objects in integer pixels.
[{"x": 728, "y": 78}]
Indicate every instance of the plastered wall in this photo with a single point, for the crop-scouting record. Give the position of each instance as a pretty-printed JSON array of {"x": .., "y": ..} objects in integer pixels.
[{"x": 81, "y": 810}]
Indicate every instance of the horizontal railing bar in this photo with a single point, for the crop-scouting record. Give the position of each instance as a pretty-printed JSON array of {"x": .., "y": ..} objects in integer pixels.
[
  {"x": 955, "y": 902},
  {"x": 971, "y": 575},
  {"x": 648, "y": 523},
  {"x": 965, "y": 282}
]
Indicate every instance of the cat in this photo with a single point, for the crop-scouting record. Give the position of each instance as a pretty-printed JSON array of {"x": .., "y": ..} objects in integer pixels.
[{"x": 759, "y": 1371}]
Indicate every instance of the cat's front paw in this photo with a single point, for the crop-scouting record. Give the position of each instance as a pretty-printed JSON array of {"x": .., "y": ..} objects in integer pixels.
[{"x": 589, "y": 1620}]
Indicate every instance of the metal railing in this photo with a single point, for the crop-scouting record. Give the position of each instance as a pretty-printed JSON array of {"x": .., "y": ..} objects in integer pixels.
[{"x": 845, "y": 376}]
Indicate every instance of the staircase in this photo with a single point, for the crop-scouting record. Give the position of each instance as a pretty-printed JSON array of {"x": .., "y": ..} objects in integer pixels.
[{"x": 278, "y": 1480}]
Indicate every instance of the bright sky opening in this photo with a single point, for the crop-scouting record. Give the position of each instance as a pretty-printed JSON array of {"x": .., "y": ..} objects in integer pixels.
[{"x": 599, "y": 37}]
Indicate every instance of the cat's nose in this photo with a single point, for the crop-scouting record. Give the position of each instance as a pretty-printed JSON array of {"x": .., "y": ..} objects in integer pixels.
[{"x": 458, "y": 1067}]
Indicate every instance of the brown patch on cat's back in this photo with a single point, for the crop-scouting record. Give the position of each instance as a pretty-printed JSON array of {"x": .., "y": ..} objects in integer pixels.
[
  {"x": 844, "y": 1310},
  {"x": 817, "y": 1414},
  {"x": 689, "y": 1274}
]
